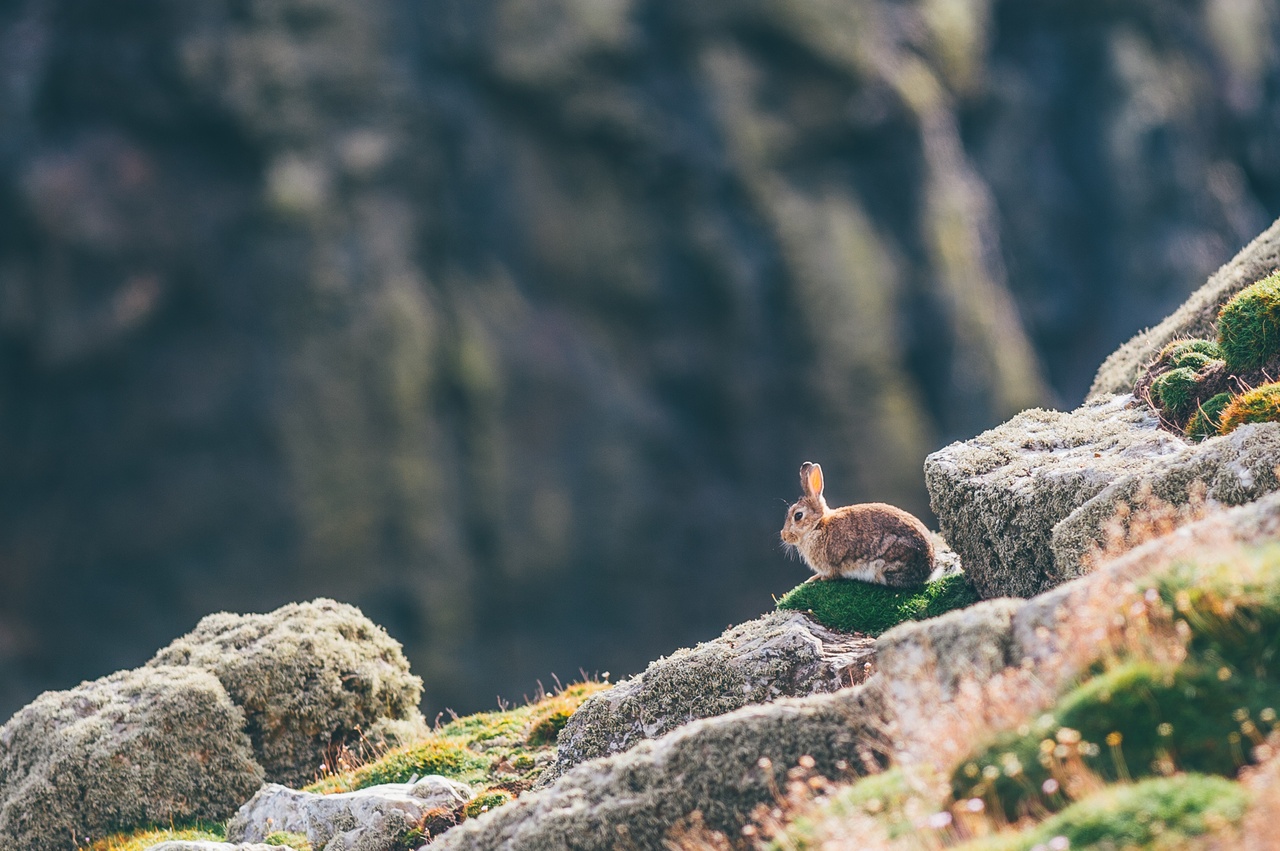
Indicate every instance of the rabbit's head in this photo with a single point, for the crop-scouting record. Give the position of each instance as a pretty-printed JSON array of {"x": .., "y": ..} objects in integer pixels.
[{"x": 805, "y": 515}]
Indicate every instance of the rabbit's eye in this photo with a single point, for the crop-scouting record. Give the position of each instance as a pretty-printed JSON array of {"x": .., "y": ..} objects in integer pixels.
[{"x": 796, "y": 517}]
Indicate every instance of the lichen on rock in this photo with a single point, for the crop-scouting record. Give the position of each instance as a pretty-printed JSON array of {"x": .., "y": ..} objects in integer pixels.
[
  {"x": 782, "y": 654},
  {"x": 1229, "y": 470},
  {"x": 309, "y": 676},
  {"x": 156, "y": 745},
  {"x": 999, "y": 495}
]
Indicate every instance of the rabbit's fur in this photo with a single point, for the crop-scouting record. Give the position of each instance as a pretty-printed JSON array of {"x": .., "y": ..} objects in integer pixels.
[{"x": 873, "y": 542}]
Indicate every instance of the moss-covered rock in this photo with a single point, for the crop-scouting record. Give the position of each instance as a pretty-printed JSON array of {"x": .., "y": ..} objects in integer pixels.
[
  {"x": 1205, "y": 422},
  {"x": 1259, "y": 405},
  {"x": 154, "y": 746},
  {"x": 1230, "y": 470},
  {"x": 310, "y": 677},
  {"x": 722, "y": 767},
  {"x": 849, "y": 605},
  {"x": 999, "y": 495},
  {"x": 779, "y": 655},
  {"x": 1249, "y": 325},
  {"x": 1162, "y": 813}
]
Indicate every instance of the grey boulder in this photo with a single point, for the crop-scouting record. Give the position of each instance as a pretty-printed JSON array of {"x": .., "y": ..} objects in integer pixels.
[
  {"x": 377, "y": 818},
  {"x": 151, "y": 746},
  {"x": 999, "y": 495},
  {"x": 308, "y": 676},
  {"x": 782, "y": 654}
]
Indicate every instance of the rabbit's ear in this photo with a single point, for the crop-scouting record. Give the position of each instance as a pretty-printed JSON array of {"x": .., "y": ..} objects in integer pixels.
[{"x": 811, "y": 479}]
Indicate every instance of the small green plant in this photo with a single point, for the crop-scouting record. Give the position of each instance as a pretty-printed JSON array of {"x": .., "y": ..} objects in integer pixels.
[
  {"x": 1249, "y": 325},
  {"x": 849, "y": 605},
  {"x": 1259, "y": 405},
  {"x": 485, "y": 801},
  {"x": 1175, "y": 391},
  {"x": 1159, "y": 813},
  {"x": 1205, "y": 421},
  {"x": 296, "y": 841}
]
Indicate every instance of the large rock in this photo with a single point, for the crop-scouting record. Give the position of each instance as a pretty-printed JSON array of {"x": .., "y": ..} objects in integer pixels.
[
  {"x": 722, "y": 767},
  {"x": 155, "y": 745},
  {"x": 1231, "y": 470},
  {"x": 308, "y": 676},
  {"x": 1197, "y": 317},
  {"x": 783, "y": 654},
  {"x": 999, "y": 495},
  {"x": 377, "y": 818}
]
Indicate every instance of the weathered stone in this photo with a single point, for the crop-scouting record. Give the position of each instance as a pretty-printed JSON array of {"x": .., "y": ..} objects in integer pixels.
[
  {"x": 1197, "y": 317},
  {"x": 999, "y": 495},
  {"x": 376, "y": 818},
  {"x": 1234, "y": 469},
  {"x": 150, "y": 746},
  {"x": 722, "y": 767},
  {"x": 307, "y": 675},
  {"x": 782, "y": 654}
]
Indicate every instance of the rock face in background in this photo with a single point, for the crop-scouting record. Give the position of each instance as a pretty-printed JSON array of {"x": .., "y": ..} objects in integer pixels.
[{"x": 507, "y": 320}]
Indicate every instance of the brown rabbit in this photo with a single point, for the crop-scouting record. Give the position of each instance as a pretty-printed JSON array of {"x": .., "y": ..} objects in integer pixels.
[{"x": 873, "y": 542}]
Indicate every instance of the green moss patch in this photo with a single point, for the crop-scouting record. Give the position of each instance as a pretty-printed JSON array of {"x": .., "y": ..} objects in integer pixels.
[
  {"x": 1249, "y": 325},
  {"x": 296, "y": 841},
  {"x": 507, "y": 748},
  {"x": 849, "y": 605},
  {"x": 1154, "y": 814},
  {"x": 1259, "y": 405},
  {"x": 1175, "y": 391},
  {"x": 1186, "y": 352}
]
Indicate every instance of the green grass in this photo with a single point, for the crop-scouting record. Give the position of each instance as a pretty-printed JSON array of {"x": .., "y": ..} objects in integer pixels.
[
  {"x": 849, "y": 605},
  {"x": 1249, "y": 326},
  {"x": 144, "y": 838},
  {"x": 1259, "y": 405},
  {"x": 481, "y": 750},
  {"x": 296, "y": 841},
  {"x": 1153, "y": 814}
]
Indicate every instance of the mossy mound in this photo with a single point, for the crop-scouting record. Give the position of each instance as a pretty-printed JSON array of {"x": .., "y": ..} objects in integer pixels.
[
  {"x": 1259, "y": 405},
  {"x": 1177, "y": 353},
  {"x": 849, "y": 605},
  {"x": 1161, "y": 813},
  {"x": 1249, "y": 325},
  {"x": 1175, "y": 391},
  {"x": 296, "y": 841},
  {"x": 1204, "y": 423}
]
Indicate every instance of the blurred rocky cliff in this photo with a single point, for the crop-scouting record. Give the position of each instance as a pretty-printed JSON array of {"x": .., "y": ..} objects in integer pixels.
[{"x": 511, "y": 320}]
